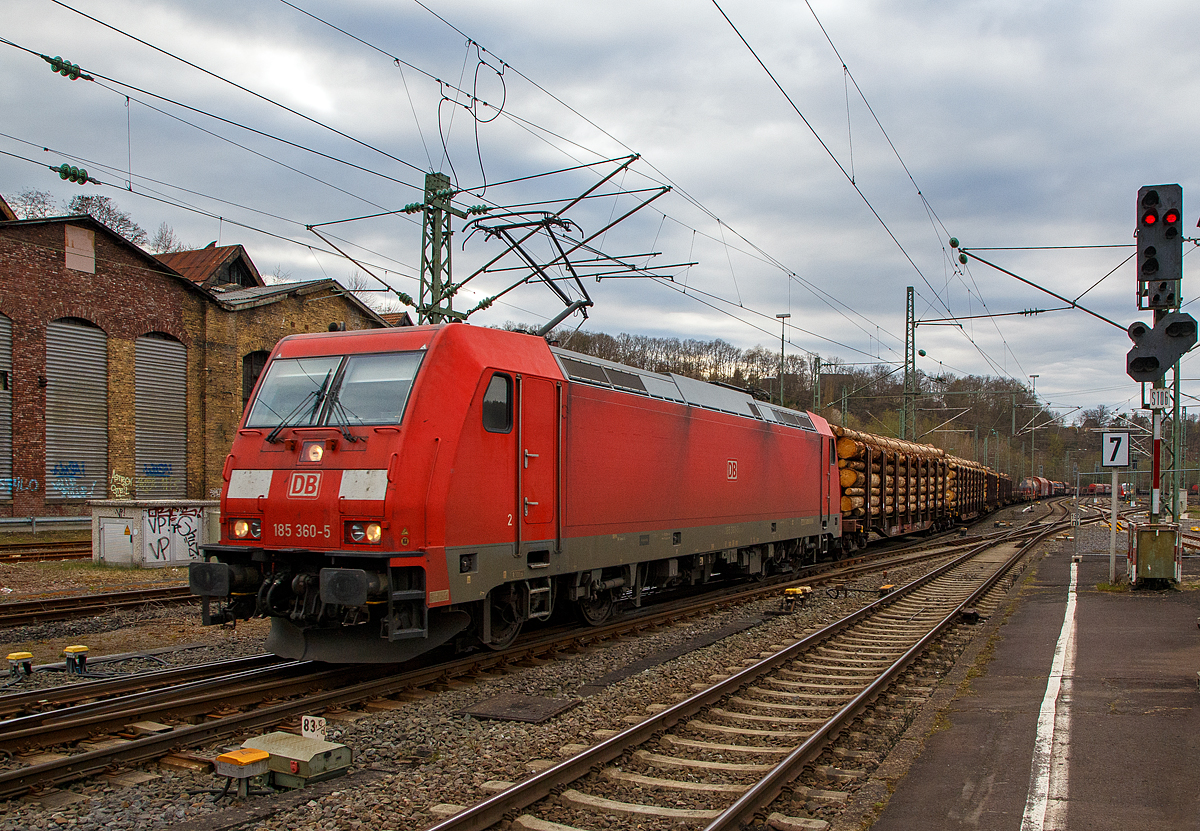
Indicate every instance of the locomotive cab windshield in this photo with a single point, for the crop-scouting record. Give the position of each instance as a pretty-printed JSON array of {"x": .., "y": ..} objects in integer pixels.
[{"x": 336, "y": 390}]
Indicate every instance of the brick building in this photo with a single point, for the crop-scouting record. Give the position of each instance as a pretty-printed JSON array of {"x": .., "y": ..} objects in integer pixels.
[{"x": 123, "y": 375}]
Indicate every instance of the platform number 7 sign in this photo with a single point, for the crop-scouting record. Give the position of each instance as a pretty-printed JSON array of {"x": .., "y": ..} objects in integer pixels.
[{"x": 1115, "y": 452}]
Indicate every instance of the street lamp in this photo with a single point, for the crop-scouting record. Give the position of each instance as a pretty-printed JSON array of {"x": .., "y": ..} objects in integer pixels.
[
  {"x": 1033, "y": 428},
  {"x": 783, "y": 319}
]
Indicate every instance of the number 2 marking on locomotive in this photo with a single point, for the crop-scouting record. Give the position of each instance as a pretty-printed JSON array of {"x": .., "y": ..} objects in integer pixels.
[{"x": 510, "y": 520}]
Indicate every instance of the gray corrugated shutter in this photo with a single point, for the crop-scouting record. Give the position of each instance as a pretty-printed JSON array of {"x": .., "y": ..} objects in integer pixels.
[
  {"x": 6, "y": 461},
  {"x": 161, "y": 412},
  {"x": 76, "y": 411}
]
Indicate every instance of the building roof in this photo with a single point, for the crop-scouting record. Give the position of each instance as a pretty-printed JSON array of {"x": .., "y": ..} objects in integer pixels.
[
  {"x": 87, "y": 220},
  {"x": 397, "y": 318},
  {"x": 238, "y": 298},
  {"x": 201, "y": 265}
]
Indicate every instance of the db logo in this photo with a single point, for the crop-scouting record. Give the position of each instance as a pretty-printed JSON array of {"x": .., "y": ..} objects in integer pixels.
[
  {"x": 304, "y": 485},
  {"x": 731, "y": 470}
]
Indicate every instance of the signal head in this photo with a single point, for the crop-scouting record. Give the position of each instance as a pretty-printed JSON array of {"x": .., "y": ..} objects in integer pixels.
[{"x": 1159, "y": 246}]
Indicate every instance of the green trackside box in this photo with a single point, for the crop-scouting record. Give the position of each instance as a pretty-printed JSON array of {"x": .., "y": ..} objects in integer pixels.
[
  {"x": 1155, "y": 553},
  {"x": 297, "y": 761}
]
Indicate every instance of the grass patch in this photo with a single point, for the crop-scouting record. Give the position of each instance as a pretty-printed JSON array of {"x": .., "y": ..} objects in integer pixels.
[
  {"x": 940, "y": 722},
  {"x": 46, "y": 536},
  {"x": 979, "y": 667},
  {"x": 1112, "y": 587}
]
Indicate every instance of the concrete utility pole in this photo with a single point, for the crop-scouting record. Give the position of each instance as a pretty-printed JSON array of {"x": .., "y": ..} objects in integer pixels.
[
  {"x": 1033, "y": 429},
  {"x": 908, "y": 411},
  {"x": 783, "y": 319}
]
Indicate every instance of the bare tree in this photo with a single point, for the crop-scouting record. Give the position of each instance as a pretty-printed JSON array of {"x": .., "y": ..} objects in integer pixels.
[
  {"x": 279, "y": 275},
  {"x": 164, "y": 241},
  {"x": 33, "y": 204},
  {"x": 104, "y": 210}
]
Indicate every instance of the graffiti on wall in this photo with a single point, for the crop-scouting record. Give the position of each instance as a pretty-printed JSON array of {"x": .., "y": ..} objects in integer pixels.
[
  {"x": 173, "y": 534},
  {"x": 120, "y": 486},
  {"x": 70, "y": 480},
  {"x": 18, "y": 484},
  {"x": 157, "y": 479}
]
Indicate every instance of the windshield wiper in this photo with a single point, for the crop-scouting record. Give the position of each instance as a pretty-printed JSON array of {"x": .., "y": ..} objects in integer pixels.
[
  {"x": 343, "y": 424},
  {"x": 315, "y": 396}
]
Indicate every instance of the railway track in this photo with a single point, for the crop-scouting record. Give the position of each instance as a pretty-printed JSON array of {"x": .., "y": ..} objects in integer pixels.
[
  {"x": 55, "y": 701},
  {"x": 20, "y": 613},
  {"x": 268, "y": 695},
  {"x": 24, "y": 612},
  {"x": 43, "y": 551},
  {"x": 723, "y": 756}
]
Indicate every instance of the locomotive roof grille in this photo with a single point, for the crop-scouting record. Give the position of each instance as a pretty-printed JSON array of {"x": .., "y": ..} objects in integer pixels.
[{"x": 679, "y": 388}]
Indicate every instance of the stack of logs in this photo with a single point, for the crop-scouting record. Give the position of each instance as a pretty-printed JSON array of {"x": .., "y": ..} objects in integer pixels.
[{"x": 927, "y": 485}]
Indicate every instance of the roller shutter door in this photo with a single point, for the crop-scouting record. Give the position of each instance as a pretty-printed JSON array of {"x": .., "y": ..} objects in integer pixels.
[
  {"x": 161, "y": 413},
  {"x": 6, "y": 460},
  {"x": 76, "y": 411}
]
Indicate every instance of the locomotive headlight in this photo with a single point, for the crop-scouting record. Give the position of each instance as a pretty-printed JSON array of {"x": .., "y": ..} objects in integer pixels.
[
  {"x": 243, "y": 528},
  {"x": 312, "y": 451},
  {"x": 368, "y": 533}
]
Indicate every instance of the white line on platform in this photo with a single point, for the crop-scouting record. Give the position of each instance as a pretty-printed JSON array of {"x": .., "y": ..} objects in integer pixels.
[{"x": 1046, "y": 806}]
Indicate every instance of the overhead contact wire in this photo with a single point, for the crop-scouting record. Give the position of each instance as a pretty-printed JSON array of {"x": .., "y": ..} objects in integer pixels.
[{"x": 236, "y": 85}]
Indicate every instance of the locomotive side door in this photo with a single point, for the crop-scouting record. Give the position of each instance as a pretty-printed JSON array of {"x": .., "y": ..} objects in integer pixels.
[{"x": 538, "y": 468}]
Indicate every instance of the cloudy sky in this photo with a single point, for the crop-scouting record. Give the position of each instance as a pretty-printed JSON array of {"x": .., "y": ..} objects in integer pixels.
[{"x": 1026, "y": 126}]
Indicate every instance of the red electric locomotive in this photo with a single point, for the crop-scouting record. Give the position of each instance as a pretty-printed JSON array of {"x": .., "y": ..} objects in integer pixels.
[{"x": 391, "y": 490}]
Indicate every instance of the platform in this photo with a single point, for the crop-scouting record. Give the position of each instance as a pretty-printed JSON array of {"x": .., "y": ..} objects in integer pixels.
[{"x": 1130, "y": 709}]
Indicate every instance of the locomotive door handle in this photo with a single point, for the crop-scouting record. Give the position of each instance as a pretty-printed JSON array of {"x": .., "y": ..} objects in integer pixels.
[
  {"x": 529, "y": 456},
  {"x": 527, "y": 504}
]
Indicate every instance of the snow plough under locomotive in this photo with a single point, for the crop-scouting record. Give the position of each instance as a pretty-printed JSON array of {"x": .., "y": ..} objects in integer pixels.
[{"x": 390, "y": 491}]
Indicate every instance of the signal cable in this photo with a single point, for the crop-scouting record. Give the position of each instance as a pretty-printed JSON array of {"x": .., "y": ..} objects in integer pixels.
[
  {"x": 824, "y": 146},
  {"x": 400, "y": 64},
  {"x": 247, "y": 90},
  {"x": 1106, "y": 276},
  {"x": 165, "y": 52},
  {"x": 533, "y": 128},
  {"x": 930, "y": 212},
  {"x": 671, "y": 284},
  {"x": 250, "y": 150},
  {"x": 818, "y": 293},
  {"x": 1040, "y": 288},
  {"x": 230, "y": 122}
]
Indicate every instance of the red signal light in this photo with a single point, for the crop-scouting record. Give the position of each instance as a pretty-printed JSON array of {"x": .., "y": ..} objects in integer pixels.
[
  {"x": 1150, "y": 217},
  {"x": 1171, "y": 216}
]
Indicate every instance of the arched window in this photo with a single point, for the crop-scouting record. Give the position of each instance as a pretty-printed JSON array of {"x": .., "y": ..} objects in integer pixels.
[
  {"x": 160, "y": 368},
  {"x": 76, "y": 411},
  {"x": 252, "y": 367}
]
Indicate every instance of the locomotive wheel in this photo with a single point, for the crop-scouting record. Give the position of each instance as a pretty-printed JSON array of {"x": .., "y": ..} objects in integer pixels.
[
  {"x": 595, "y": 609},
  {"x": 506, "y": 619}
]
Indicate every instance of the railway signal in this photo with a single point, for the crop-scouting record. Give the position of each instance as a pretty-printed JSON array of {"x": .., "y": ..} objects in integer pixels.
[
  {"x": 1157, "y": 349},
  {"x": 1159, "y": 246}
]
